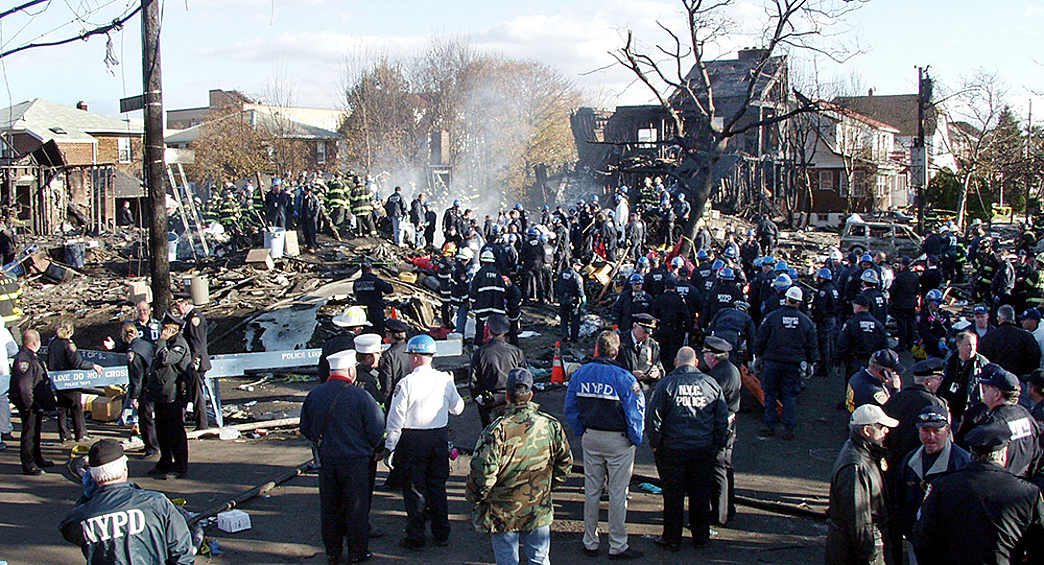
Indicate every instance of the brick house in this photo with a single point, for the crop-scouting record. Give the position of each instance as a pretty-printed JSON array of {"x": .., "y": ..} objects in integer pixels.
[{"x": 60, "y": 164}]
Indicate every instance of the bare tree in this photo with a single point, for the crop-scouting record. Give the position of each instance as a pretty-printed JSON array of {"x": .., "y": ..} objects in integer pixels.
[{"x": 677, "y": 74}]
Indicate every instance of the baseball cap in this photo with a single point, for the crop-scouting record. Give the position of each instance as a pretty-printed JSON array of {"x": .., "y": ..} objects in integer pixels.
[
  {"x": 1036, "y": 378},
  {"x": 869, "y": 414},
  {"x": 861, "y": 300},
  {"x": 368, "y": 343},
  {"x": 933, "y": 417},
  {"x": 988, "y": 438},
  {"x": 1031, "y": 313},
  {"x": 980, "y": 309},
  {"x": 103, "y": 452},
  {"x": 887, "y": 359},
  {"x": 519, "y": 377},
  {"x": 498, "y": 324},
  {"x": 996, "y": 376}
]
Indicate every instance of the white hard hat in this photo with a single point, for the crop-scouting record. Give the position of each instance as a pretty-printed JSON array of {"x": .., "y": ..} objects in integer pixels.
[
  {"x": 794, "y": 293},
  {"x": 487, "y": 256},
  {"x": 342, "y": 360},
  {"x": 352, "y": 317},
  {"x": 368, "y": 343}
]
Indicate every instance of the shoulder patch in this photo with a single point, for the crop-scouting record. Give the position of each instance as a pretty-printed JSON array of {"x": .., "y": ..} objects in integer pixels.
[
  {"x": 195, "y": 320},
  {"x": 881, "y": 397},
  {"x": 23, "y": 366},
  {"x": 72, "y": 347},
  {"x": 636, "y": 388},
  {"x": 130, "y": 356}
]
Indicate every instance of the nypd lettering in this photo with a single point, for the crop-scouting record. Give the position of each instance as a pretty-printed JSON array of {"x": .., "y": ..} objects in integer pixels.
[
  {"x": 790, "y": 322},
  {"x": 598, "y": 390},
  {"x": 690, "y": 396},
  {"x": 113, "y": 526}
]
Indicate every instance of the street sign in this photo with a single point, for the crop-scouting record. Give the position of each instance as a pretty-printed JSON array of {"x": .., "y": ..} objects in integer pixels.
[
  {"x": 919, "y": 166},
  {"x": 132, "y": 103}
]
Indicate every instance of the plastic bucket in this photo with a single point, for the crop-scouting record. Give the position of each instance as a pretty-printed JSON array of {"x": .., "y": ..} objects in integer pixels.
[
  {"x": 172, "y": 246},
  {"x": 199, "y": 290},
  {"x": 274, "y": 239},
  {"x": 75, "y": 253}
]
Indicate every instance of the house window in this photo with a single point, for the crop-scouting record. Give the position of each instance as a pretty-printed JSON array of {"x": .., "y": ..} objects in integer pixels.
[
  {"x": 320, "y": 153},
  {"x": 123, "y": 146},
  {"x": 647, "y": 135},
  {"x": 826, "y": 180}
]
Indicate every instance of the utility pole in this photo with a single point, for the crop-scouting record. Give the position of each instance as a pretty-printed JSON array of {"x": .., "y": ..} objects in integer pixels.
[
  {"x": 919, "y": 154},
  {"x": 159, "y": 265},
  {"x": 1026, "y": 177}
]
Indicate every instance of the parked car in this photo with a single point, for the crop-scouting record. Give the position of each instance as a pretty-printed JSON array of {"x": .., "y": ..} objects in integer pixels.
[{"x": 894, "y": 239}]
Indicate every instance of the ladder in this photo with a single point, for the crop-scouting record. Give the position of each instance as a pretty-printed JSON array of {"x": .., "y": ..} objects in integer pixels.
[{"x": 191, "y": 204}]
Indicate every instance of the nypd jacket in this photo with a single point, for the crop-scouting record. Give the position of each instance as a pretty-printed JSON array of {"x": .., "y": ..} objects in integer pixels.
[
  {"x": 1023, "y": 450},
  {"x": 864, "y": 388},
  {"x": 63, "y": 356},
  {"x": 688, "y": 411},
  {"x": 734, "y": 326},
  {"x": 30, "y": 385},
  {"x": 786, "y": 336},
  {"x": 860, "y": 337},
  {"x": 369, "y": 290},
  {"x": 124, "y": 525},
  {"x": 166, "y": 381},
  {"x": 914, "y": 477},
  {"x": 139, "y": 359},
  {"x": 604, "y": 396}
]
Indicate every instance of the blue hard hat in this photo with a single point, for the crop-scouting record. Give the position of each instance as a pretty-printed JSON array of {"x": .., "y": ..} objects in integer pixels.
[
  {"x": 730, "y": 252},
  {"x": 456, "y": 203},
  {"x": 934, "y": 295},
  {"x": 545, "y": 208},
  {"x": 518, "y": 206},
  {"x": 543, "y": 237},
  {"x": 612, "y": 214},
  {"x": 717, "y": 264},
  {"x": 701, "y": 254},
  {"x": 793, "y": 273},
  {"x": 750, "y": 233},
  {"x": 677, "y": 262},
  {"x": 769, "y": 260},
  {"x": 594, "y": 198},
  {"x": 867, "y": 258},
  {"x": 727, "y": 274},
  {"x": 782, "y": 282},
  {"x": 496, "y": 228},
  {"x": 781, "y": 266},
  {"x": 681, "y": 196},
  {"x": 758, "y": 261},
  {"x": 643, "y": 260},
  {"x": 636, "y": 279},
  {"x": 512, "y": 238},
  {"x": 824, "y": 273},
  {"x": 422, "y": 344},
  {"x": 277, "y": 182}
]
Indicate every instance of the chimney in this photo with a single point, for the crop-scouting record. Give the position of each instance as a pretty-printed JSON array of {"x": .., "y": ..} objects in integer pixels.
[
  {"x": 870, "y": 92},
  {"x": 752, "y": 53},
  {"x": 81, "y": 105}
]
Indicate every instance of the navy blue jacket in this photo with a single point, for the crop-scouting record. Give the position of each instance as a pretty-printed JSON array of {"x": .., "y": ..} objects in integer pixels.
[
  {"x": 787, "y": 336},
  {"x": 356, "y": 425},
  {"x": 688, "y": 411},
  {"x": 604, "y": 396}
]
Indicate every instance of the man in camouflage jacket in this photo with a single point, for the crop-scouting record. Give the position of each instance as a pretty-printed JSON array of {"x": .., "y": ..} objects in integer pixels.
[{"x": 519, "y": 458}]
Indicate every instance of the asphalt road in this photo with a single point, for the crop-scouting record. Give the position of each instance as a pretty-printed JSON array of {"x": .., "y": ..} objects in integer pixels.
[{"x": 285, "y": 523}]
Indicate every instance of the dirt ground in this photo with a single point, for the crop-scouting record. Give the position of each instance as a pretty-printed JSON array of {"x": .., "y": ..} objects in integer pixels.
[{"x": 285, "y": 523}]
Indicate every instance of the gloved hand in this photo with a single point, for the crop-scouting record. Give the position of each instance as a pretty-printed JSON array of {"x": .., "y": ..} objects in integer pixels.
[
  {"x": 803, "y": 371},
  {"x": 389, "y": 460}
]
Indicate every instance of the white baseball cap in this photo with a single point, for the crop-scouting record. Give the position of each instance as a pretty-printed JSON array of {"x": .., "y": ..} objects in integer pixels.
[{"x": 869, "y": 414}]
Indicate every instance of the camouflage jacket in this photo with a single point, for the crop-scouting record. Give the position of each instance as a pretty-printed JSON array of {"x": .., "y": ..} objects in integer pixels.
[{"x": 518, "y": 459}]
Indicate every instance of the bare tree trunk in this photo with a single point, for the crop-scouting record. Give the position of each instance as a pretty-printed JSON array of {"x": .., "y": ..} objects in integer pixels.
[{"x": 962, "y": 201}]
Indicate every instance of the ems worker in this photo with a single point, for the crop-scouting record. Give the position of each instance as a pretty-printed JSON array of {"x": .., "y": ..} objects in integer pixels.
[
  {"x": 606, "y": 407},
  {"x": 688, "y": 425},
  {"x": 490, "y": 365},
  {"x": 32, "y": 396},
  {"x": 715, "y": 362},
  {"x": 875, "y": 383},
  {"x": 981, "y": 513},
  {"x": 122, "y": 523},
  {"x": 786, "y": 341},
  {"x": 417, "y": 442},
  {"x": 348, "y": 426},
  {"x": 369, "y": 291}
]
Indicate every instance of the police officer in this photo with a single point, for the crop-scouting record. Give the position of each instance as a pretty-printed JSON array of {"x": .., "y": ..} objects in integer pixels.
[
  {"x": 715, "y": 362},
  {"x": 490, "y": 365},
  {"x": 486, "y": 294},
  {"x": 167, "y": 387},
  {"x": 907, "y": 404},
  {"x": 417, "y": 442},
  {"x": 1000, "y": 403},
  {"x": 981, "y": 513},
  {"x": 786, "y": 341},
  {"x": 196, "y": 336},
  {"x": 139, "y": 359},
  {"x": 903, "y": 294},
  {"x": 394, "y": 363},
  {"x": 311, "y": 209},
  {"x": 722, "y": 295},
  {"x": 122, "y": 523},
  {"x": 513, "y": 305},
  {"x": 631, "y": 301},
  {"x": 352, "y": 321},
  {"x": 639, "y": 352},
  {"x": 569, "y": 292},
  {"x": 63, "y": 356},
  {"x": 656, "y": 279},
  {"x": 347, "y": 425},
  {"x": 875, "y": 383},
  {"x": 859, "y": 338},
  {"x": 825, "y": 303},
  {"x": 606, "y": 407},
  {"x": 369, "y": 290},
  {"x": 688, "y": 426},
  {"x": 878, "y": 302},
  {"x": 735, "y": 326},
  {"x": 32, "y": 397},
  {"x": 675, "y": 321},
  {"x": 367, "y": 375}
]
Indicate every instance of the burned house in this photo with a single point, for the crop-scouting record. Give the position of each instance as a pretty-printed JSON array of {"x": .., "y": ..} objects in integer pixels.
[
  {"x": 65, "y": 166},
  {"x": 633, "y": 142}
]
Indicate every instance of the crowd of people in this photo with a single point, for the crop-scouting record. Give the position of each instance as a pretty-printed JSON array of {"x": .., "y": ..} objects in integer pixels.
[{"x": 946, "y": 468}]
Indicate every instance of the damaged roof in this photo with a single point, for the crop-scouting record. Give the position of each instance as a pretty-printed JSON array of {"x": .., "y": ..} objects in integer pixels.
[
  {"x": 730, "y": 78},
  {"x": 46, "y": 120}
]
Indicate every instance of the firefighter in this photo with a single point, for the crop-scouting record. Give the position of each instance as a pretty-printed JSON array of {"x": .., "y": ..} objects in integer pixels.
[{"x": 486, "y": 294}]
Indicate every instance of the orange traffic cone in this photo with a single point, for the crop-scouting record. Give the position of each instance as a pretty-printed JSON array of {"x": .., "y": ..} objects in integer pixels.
[{"x": 557, "y": 370}]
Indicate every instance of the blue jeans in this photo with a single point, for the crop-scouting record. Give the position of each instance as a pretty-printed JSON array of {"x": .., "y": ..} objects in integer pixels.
[
  {"x": 782, "y": 382},
  {"x": 5, "y": 405},
  {"x": 537, "y": 545},
  {"x": 462, "y": 318},
  {"x": 397, "y": 228}
]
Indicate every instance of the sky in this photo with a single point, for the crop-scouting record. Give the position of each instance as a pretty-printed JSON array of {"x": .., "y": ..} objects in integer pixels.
[{"x": 246, "y": 44}]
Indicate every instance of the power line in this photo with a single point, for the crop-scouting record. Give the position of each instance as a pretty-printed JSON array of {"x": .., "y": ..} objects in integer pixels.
[
  {"x": 116, "y": 24},
  {"x": 29, "y": 4}
]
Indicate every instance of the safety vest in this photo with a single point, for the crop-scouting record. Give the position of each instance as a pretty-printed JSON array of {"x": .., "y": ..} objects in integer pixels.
[{"x": 10, "y": 293}]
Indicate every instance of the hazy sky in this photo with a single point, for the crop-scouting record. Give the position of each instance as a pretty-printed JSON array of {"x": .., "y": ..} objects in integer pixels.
[{"x": 243, "y": 44}]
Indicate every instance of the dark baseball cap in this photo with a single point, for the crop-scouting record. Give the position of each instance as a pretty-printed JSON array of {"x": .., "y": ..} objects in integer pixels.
[
  {"x": 103, "y": 452},
  {"x": 519, "y": 377},
  {"x": 861, "y": 300},
  {"x": 980, "y": 309},
  {"x": 888, "y": 359},
  {"x": 498, "y": 324},
  {"x": 1036, "y": 378},
  {"x": 1031, "y": 313},
  {"x": 934, "y": 417},
  {"x": 988, "y": 438},
  {"x": 996, "y": 376}
]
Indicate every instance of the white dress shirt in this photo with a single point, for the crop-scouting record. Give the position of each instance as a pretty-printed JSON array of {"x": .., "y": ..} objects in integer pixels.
[{"x": 423, "y": 400}]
